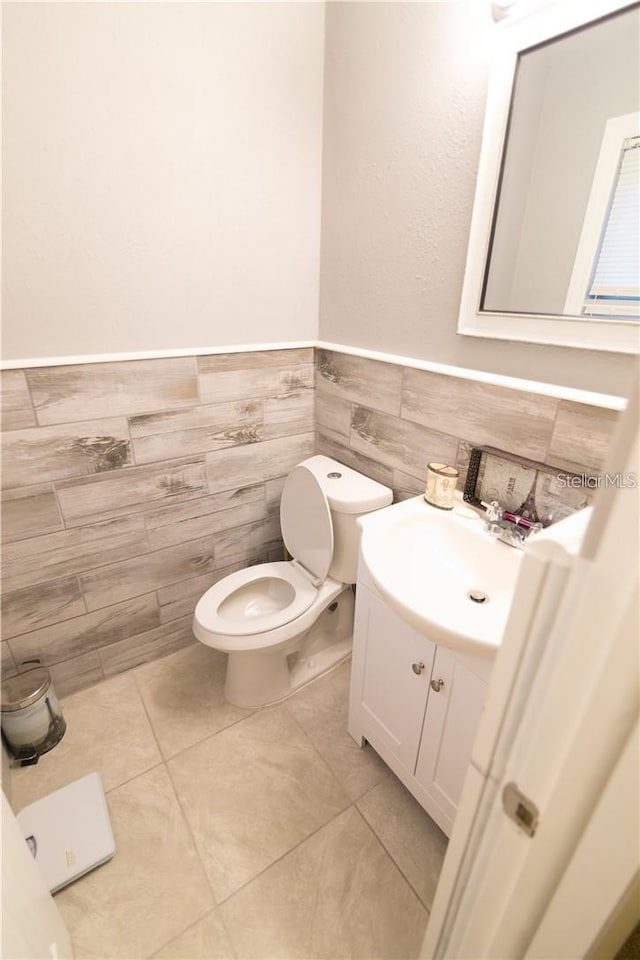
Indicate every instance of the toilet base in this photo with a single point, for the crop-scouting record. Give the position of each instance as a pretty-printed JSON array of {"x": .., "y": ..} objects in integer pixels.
[
  {"x": 313, "y": 667},
  {"x": 257, "y": 678}
]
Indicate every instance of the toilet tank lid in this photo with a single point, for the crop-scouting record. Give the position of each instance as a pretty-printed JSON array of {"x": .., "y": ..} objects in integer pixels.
[{"x": 350, "y": 492}]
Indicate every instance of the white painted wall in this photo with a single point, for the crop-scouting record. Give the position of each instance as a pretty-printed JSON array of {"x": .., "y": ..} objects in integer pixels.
[
  {"x": 162, "y": 175},
  {"x": 162, "y": 180},
  {"x": 405, "y": 88}
]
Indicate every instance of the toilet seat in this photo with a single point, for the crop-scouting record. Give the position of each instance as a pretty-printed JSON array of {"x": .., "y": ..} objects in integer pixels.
[
  {"x": 230, "y": 607},
  {"x": 261, "y": 599}
]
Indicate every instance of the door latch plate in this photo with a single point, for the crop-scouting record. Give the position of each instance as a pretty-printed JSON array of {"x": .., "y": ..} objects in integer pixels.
[{"x": 520, "y": 809}]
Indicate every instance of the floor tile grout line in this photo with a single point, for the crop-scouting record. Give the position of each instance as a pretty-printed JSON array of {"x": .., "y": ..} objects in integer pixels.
[
  {"x": 208, "y": 736},
  {"x": 283, "y": 855},
  {"x": 216, "y": 904},
  {"x": 140, "y": 773},
  {"x": 146, "y": 712},
  {"x": 352, "y": 802},
  {"x": 251, "y": 711},
  {"x": 370, "y": 829},
  {"x": 185, "y": 930},
  {"x": 386, "y": 848},
  {"x": 181, "y": 808},
  {"x": 393, "y": 861},
  {"x": 163, "y": 763},
  {"x": 303, "y": 839},
  {"x": 116, "y": 786},
  {"x": 228, "y": 932},
  {"x": 387, "y": 771},
  {"x": 316, "y": 750},
  {"x": 185, "y": 819}
]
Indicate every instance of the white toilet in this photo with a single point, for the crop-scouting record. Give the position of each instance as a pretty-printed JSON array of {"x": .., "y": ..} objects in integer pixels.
[{"x": 285, "y": 623}]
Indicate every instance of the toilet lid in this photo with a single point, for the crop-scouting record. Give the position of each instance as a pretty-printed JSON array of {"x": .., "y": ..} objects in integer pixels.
[{"x": 305, "y": 519}]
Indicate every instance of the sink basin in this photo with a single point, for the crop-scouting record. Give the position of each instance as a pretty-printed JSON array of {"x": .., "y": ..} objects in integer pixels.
[{"x": 442, "y": 572}]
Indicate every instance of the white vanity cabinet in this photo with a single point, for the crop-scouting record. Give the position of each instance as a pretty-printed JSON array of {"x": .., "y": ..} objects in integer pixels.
[{"x": 416, "y": 703}]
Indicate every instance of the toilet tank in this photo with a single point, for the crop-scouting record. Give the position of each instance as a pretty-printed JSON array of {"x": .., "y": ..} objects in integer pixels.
[{"x": 350, "y": 495}]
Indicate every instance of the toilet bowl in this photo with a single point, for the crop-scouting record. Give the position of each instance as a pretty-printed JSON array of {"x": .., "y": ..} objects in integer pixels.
[{"x": 282, "y": 624}]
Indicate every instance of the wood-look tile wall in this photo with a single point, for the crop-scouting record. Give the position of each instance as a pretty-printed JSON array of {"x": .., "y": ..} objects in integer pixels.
[
  {"x": 389, "y": 421},
  {"x": 129, "y": 488}
]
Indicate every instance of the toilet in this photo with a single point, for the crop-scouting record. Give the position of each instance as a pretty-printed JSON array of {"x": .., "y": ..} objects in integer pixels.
[{"x": 283, "y": 624}]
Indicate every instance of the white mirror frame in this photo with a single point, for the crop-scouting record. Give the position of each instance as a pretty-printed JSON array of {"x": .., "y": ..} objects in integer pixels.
[{"x": 588, "y": 333}]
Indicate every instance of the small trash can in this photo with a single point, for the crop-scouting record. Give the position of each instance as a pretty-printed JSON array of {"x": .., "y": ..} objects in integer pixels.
[{"x": 32, "y": 720}]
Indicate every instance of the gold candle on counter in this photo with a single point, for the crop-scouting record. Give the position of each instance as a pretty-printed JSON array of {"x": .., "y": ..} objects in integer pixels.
[{"x": 441, "y": 485}]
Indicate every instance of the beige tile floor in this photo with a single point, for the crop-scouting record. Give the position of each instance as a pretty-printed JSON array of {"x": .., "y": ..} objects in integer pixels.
[{"x": 239, "y": 834}]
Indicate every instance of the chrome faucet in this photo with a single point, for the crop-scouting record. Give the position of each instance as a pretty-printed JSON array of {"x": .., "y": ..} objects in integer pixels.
[{"x": 508, "y": 527}]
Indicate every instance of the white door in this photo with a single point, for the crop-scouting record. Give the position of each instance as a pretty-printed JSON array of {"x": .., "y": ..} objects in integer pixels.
[
  {"x": 561, "y": 718},
  {"x": 31, "y": 923}
]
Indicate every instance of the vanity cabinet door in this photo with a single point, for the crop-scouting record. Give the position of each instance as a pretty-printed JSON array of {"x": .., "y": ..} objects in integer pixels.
[
  {"x": 450, "y": 725},
  {"x": 390, "y": 681}
]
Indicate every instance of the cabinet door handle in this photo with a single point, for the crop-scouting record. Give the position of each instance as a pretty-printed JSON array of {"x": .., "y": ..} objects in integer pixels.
[
  {"x": 437, "y": 685},
  {"x": 417, "y": 668}
]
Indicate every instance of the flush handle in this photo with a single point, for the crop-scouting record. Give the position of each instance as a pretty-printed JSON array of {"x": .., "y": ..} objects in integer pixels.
[
  {"x": 417, "y": 668},
  {"x": 437, "y": 685}
]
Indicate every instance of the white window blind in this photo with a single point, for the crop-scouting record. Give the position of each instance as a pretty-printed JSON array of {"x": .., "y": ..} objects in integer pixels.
[{"x": 614, "y": 288}]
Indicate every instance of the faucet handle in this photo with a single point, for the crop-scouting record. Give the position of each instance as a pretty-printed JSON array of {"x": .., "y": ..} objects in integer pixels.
[{"x": 494, "y": 510}]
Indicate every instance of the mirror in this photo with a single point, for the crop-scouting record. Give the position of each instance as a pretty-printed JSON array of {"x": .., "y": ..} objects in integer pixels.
[{"x": 554, "y": 246}]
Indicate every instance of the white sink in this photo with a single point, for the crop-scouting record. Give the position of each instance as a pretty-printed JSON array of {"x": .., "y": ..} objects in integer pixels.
[{"x": 427, "y": 562}]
